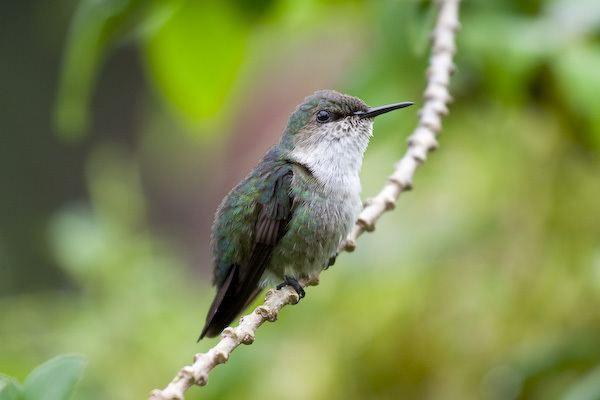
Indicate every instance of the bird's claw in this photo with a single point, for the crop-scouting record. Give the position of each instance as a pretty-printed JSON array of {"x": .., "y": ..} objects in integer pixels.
[
  {"x": 293, "y": 282},
  {"x": 330, "y": 262}
]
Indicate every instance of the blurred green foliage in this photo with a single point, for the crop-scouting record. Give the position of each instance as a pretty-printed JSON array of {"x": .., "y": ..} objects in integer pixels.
[
  {"x": 95, "y": 28},
  {"x": 483, "y": 283},
  {"x": 53, "y": 380},
  {"x": 194, "y": 69}
]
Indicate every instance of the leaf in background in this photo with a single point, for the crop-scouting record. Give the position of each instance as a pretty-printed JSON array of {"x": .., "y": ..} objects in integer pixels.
[
  {"x": 574, "y": 20},
  {"x": 253, "y": 9},
  {"x": 419, "y": 26},
  {"x": 195, "y": 58},
  {"x": 518, "y": 41},
  {"x": 587, "y": 388},
  {"x": 95, "y": 28},
  {"x": 55, "y": 379},
  {"x": 578, "y": 81},
  {"x": 9, "y": 388}
]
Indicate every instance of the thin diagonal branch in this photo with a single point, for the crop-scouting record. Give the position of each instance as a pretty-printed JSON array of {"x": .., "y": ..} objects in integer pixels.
[
  {"x": 424, "y": 138},
  {"x": 197, "y": 373},
  {"x": 422, "y": 141}
]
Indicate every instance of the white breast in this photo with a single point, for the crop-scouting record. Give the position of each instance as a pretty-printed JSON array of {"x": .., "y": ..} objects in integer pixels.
[{"x": 334, "y": 156}]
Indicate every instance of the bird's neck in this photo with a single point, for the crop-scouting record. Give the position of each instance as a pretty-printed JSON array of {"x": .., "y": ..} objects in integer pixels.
[{"x": 335, "y": 164}]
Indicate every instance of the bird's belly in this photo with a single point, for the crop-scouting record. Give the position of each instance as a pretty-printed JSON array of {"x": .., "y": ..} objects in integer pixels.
[{"x": 314, "y": 233}]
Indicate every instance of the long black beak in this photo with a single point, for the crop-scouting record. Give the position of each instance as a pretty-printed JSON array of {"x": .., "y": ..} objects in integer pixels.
[{"x": 375, "y": 111}]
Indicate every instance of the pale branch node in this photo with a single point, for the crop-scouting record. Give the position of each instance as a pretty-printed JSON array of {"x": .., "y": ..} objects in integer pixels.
[{"x": 421, "y": 142}]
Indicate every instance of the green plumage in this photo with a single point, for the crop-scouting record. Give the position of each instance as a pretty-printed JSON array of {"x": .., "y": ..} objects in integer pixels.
[{"x": 285, "y": 220}]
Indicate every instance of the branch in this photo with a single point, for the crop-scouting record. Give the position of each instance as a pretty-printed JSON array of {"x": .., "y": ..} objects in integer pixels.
[
  {"x": 424, "y": 138},
  {"x": 244, "y": 333},
  {"x": 422, "y": 141}
]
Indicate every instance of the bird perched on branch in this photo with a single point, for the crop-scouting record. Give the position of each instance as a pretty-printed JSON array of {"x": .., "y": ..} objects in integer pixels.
[{"x": 286, "y": 219}]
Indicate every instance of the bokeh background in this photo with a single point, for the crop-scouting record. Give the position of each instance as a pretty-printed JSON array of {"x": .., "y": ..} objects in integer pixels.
[{"x": 124, "y": 122}]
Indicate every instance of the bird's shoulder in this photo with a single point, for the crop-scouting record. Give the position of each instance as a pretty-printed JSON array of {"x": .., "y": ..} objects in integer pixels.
[
  {"x": 233, "y": 231},
  {"x": 259, "y": 184}
]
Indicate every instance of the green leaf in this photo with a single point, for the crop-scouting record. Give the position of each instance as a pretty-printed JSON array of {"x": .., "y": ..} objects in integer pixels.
[
  {"x": 578, "y": 82},
  {"x": 195, "y": 58},
  {"x": 9, "y": 388},
  {"x": 575, "y": 20},
  {"x": 587, "y": 388},
  {"x": 55, "y": 379},
  {"x": 419, "y": 24},
  {"x": 91, "y": 34},
  {"x": 95, "y": 28},
  {"x": 518, "y": 41}
]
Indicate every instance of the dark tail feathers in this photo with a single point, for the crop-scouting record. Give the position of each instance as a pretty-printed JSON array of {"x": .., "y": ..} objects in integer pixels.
[{"x": 229, "y": 302}]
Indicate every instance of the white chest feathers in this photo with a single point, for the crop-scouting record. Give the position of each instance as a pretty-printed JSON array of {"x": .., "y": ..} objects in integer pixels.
[{"x": 334, "y": 155}]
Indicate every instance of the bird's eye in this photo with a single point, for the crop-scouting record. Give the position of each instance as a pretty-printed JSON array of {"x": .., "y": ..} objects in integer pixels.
[{"x": 323, "y": 116}]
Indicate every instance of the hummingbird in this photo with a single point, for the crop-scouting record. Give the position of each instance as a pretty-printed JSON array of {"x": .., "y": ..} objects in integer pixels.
[{"x": 286, "y": 219}]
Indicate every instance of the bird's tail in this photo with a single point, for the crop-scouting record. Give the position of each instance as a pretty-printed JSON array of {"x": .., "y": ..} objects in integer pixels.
[{"x": 231, "y": 299}]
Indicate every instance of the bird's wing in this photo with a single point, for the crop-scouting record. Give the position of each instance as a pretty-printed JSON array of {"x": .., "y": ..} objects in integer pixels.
[{"x": 238, "y": 283}]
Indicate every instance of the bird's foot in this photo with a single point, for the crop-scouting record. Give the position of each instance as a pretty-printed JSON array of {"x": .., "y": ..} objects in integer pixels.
[
  {"x": 330, "y": 262},
  {"x": 293, "y": 282}
]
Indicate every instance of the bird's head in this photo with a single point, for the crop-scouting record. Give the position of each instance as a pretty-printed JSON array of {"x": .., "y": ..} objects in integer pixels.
[{"x": 331, "y": 124}]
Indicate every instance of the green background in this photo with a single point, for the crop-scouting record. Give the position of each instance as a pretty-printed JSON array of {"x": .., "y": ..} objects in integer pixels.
[{"x": 124, "y": 122}]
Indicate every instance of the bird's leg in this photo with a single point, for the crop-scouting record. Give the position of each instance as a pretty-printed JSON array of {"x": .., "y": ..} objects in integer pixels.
[{"x": 293, "y": 282}]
